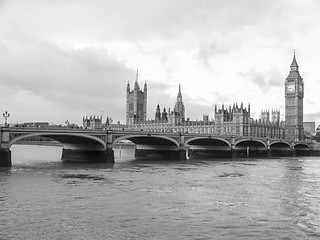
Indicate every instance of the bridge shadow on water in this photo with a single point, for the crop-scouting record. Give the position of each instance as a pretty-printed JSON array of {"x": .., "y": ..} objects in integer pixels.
[{"x": 37, "y": 157}]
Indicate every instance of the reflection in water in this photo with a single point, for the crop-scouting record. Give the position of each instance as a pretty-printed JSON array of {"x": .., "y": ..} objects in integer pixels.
[
  {"x": 44, "y": 198},
  {"x": 4, "y": 181}
]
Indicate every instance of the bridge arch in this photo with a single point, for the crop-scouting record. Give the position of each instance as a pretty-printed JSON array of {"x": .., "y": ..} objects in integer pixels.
[
  {"x": 280, "y": 144},
  {"x": 148, "y": 140},
  {"x": 207, "y": 147},
  {"x": 72, "y": 140},
  {"x": 208, "y": 141},
  {"x": 301, "y": 146},
  {"x": 302, "y": 149},
  {"x": 251, "y": 143},
  {"x": 250, "y": 148},
  {"x": 280, "y": 149},
  {"x": 153, "y": 146}
]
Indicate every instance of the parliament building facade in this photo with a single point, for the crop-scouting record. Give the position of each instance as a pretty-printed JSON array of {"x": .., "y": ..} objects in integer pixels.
[{"x": 228, "y": 120}]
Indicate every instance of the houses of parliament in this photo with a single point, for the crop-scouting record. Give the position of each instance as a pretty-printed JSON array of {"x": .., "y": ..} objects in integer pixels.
[{"x": 228, "y": 120}]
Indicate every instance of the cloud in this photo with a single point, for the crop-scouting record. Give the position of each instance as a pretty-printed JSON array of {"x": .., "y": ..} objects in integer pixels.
[
  {"x": 75, "y": 57},
  {"x": 211, "y": 49},
  {"x": 99, "y": 20},
  {"x": 86, "y": 80},
  {"x": 264, "y": 80}
]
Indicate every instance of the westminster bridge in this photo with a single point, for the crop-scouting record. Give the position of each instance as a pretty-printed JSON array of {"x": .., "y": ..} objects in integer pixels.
[{"x": 97, "y": 146}]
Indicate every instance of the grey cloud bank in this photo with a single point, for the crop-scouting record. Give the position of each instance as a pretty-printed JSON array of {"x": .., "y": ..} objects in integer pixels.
[{"x": 64, "y": 59}]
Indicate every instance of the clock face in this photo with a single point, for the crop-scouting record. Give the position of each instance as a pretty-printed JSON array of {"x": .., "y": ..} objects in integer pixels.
[
  {"x": 300, "y": 88},
  {"x": 291, "y": 87}
]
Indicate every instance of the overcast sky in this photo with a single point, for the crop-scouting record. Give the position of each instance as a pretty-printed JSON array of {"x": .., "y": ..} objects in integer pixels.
[{"x": 61, "y": 60}]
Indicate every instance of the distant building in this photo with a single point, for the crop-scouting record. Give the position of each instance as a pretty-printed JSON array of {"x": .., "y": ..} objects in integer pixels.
[
  {"x": 136, "y": 106},
  {"x": 179, "y": 110},
  {"x": 236, "y": 121},
  {"x": 233, "y": 120},
  {"x": 266, "y": 128},
  {"x": 294, "y": 93},
  {"x": 309, "y": 129},
  {"x": 318, "y": 134},
  {"x": 92, "y": 122},
  {"x": 172, "y": 120},
  {"x": 267, "y": 117}
]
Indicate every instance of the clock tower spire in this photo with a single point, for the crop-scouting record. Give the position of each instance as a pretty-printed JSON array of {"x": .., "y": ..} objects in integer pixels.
[
  {"x": 294, "y": 93},
  {"x": 294, "y": 65}
]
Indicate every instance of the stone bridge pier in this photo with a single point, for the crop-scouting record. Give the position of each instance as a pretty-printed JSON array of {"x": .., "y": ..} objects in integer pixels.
[
  {"x": 5, "y": 158},
  {"x": 5, "y": 153}
]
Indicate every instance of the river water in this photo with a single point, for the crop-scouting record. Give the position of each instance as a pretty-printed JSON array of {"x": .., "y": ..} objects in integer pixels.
[{"x": 42, "y": 197}]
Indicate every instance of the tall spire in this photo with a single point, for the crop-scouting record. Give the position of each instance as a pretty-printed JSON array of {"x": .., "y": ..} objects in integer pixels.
[
  {"x": 179, "y": 93},
  {"x": 145, "y": 86},
  {"x": 136, "y": 85},
  {"x": 128, "y": 87},
  {"x": 179, "y": 107},
  {"x": 294, "y": 65},
  {"x": 137, "y": 74}
]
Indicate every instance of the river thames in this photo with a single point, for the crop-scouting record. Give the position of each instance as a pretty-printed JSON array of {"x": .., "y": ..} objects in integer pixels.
[{"x": 44, "y": 198}]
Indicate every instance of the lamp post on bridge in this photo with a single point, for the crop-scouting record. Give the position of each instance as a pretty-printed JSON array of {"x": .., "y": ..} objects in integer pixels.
[{"x": 6, "y": 115}]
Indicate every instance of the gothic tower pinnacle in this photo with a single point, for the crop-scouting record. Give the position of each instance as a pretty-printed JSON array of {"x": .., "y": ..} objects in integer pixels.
[
  {"x": 294, "y": 65},
  {"x": 179, "y": 107},
  {"x": 136, "y": 84},
  {"x": 179, "y": 93}
]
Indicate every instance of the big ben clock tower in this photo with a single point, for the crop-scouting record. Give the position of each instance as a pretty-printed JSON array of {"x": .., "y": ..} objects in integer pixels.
[{"x": 294, "y": 91}]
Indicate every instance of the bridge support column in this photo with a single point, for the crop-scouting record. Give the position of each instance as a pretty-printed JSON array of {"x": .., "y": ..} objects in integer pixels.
[
  {"x": 233, "y": 154},
  {"x": 109, "y": 155},
  {"x": 182, "y": 155},
  {"x": 5, "y": 158},
  {"x": 93, "y": 156},
  {"x": 294, "y": 153},
  {"x": 269, "y": 153},
  {"x": 233, "y": 147}
]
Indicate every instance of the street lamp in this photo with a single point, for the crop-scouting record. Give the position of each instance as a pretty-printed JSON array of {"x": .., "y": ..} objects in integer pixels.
[{"x": 6, "y": 115}]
